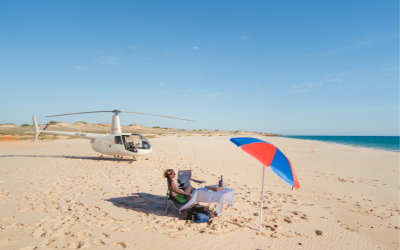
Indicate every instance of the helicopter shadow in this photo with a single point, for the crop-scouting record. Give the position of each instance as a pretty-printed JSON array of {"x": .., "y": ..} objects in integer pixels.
[
  {"x": 73, "y": 157},
  {"x": 145, "y": 203}
]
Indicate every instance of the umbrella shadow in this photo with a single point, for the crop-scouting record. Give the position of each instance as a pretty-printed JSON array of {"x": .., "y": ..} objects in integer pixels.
[{"x": 104, "y": 158}]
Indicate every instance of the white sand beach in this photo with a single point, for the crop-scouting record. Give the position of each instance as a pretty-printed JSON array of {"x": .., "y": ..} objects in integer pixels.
[{"x": 57, "y": 195}]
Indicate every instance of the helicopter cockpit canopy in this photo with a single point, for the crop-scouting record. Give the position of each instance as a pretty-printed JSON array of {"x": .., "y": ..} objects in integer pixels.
[{"x": 137, "y": 140}]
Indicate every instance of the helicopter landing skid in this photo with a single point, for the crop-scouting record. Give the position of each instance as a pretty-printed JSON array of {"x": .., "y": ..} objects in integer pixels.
[
  {"x": 100, "y": 158},
  {"x": 134, "y": 159}
]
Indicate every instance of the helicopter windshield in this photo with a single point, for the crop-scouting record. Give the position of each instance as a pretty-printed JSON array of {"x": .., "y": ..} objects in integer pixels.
[{"x": 136, "y": 141}]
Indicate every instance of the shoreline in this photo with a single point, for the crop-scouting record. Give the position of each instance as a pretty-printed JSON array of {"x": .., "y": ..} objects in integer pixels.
[{"x": 346, "y": 144}]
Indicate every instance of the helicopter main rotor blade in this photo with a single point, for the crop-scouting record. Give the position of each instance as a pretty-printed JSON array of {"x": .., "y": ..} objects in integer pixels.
[
  {"x": 80, "y": 113},
  {"x": 157, "y": 115},
  {"x": 118, "y": 111}
]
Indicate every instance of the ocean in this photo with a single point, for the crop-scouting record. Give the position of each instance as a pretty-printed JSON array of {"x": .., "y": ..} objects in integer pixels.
[{"x": 387, "y": 143}]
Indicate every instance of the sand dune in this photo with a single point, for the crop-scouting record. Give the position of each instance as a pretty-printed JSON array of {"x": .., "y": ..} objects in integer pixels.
[{"x": 58, "y": 196}]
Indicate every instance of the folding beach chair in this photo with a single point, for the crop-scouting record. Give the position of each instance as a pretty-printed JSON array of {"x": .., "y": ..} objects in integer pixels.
[
  {"x": 169, "y": 199},
  {"x": 184, "y": 178}
]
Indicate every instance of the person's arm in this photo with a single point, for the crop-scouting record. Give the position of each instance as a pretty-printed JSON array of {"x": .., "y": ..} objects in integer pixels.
[{"x": 176, "y": 189}]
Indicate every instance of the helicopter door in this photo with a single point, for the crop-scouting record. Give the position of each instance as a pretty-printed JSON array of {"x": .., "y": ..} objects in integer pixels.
[
  {"x": 118, "y": 145},
  {"x": 129, "y": 143}
]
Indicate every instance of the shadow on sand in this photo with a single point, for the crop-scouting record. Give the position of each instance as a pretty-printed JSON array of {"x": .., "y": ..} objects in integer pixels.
[
  {"x": 104, "y": 158},
  {"x": 155, "y": 204},
  {"x": 146, "y": 203}
]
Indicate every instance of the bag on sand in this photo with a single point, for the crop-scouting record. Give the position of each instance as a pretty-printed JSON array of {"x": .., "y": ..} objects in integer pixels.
[{"x": 198, "y": 215}]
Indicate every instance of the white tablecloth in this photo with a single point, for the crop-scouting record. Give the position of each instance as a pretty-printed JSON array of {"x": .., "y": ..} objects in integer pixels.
[{"x": 207, "y": 196}]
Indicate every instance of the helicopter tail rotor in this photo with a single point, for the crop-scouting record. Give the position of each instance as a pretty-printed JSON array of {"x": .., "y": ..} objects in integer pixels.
[{"x": 35, "y": 129}]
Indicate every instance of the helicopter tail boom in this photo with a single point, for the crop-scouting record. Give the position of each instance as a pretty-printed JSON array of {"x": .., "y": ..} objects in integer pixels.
[
  {"x": 89, "y": 136},
  {"x": 37, "y": 132}
]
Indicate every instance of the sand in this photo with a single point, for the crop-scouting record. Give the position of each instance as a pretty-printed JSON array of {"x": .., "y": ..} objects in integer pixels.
[{"x": 56, "y": 195}]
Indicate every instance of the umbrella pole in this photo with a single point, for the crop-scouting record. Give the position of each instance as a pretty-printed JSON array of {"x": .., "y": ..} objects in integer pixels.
[{"x": 262, "y": 197}]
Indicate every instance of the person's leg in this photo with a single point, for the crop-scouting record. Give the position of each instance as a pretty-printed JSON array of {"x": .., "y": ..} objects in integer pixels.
[{"x": 188, "y": 189}]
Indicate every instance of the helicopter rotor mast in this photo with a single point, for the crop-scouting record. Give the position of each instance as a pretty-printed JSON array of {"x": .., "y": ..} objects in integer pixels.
[{"x": 115, "y": 125}]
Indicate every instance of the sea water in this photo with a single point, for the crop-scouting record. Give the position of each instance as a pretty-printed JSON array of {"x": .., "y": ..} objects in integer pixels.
[{"x": 388, "y": 143}]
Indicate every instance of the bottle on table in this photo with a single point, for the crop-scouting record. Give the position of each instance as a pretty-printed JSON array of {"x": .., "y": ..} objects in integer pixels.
[{"x": 221, "y": 182}]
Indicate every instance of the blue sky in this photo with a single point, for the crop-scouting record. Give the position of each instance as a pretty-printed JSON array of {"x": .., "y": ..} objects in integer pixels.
[{"x": 289, "y": 67}]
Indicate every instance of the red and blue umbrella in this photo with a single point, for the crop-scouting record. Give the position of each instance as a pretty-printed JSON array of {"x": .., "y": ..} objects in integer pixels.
[{"x": 268, "y": 155}]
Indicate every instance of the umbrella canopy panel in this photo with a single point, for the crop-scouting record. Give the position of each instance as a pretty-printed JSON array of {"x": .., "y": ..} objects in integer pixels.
[{"x": 269, "y": 155}]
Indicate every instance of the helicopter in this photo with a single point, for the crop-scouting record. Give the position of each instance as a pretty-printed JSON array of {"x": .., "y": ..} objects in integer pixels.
[{"x": 116, "y": 143}]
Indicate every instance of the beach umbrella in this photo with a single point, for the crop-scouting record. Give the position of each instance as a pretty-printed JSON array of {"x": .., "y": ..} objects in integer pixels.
[{"x": 268, "y": 155}]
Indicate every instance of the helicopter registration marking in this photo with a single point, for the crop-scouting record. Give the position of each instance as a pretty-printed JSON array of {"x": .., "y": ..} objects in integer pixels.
[{"x": 78, "y": 134}]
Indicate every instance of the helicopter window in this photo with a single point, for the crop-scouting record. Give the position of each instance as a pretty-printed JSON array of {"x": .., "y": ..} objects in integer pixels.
[
  {"x": 127, "y": 138},
  {"x": 145, "y": 143},
  {"x": 118, "y": 140},
  {"x": 141, "y": 141}
]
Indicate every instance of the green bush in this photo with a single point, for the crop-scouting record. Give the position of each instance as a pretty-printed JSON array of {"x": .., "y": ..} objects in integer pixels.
[{"x": 25, "y": 125}]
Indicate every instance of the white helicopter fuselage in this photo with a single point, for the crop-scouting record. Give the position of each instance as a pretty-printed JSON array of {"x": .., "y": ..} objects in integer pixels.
[
  {"x": 116, "y": 143},
  {"x": 123, "y": 144}
]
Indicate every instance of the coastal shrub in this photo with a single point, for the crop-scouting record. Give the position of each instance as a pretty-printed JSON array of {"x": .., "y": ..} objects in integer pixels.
[
  {"x": 12, "y": 133},
  {"x": 53, "y": 123},
  {"x": 217, "y": 130},
  {"x": 25, "y": 125},
  {"x": 47, "y": 137},
  {"x": 156, "y": 127},
  {"x": 24, "y": 138},
  {"x": 81, "y": 122}
]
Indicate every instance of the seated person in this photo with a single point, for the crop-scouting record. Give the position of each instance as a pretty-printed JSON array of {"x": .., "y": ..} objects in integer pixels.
[{"x": 178, "y": 195}]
